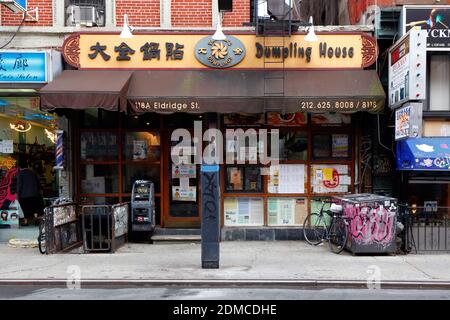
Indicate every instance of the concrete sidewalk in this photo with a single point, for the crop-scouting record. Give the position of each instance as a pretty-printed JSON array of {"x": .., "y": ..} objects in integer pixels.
[{"x": 282, "y": 261}]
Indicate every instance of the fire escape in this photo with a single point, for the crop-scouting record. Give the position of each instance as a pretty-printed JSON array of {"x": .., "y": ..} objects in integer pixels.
[{"x": 274, "y": 25}]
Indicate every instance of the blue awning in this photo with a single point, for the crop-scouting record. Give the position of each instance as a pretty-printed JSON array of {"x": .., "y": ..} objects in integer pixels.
[{"x": 424, "y": 154}]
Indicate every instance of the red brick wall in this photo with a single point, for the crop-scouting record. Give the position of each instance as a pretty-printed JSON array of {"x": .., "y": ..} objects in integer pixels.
[
  {"x": 239, "y": 15},
  {"x": 140, "y": 13},
  {"x": 9, "y": 18},
  {"x": 191, "y": 13}
]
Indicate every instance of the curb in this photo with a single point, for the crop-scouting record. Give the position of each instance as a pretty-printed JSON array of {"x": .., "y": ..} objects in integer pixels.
[{"x": 299, "y": 284}]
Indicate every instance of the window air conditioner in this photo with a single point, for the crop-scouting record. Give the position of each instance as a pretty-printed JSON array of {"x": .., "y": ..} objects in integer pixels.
[{"x": 84, "y": 16}]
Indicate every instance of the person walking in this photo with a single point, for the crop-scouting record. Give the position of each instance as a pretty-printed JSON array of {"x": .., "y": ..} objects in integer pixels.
[{"x": 29, "y": 193}]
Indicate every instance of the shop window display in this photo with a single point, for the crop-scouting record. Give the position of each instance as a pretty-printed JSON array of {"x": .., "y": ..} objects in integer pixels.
[
  {"x": 243, "y": 179},
  {"x": 286, "y": 211},
  {"x": 287, "y": 178},
  {"x": 327, "y": 146},
  {"x": 330, "y": 178},
  {"x": 99, "y": 118},
  {"x": 293, "y": 145},
  {"x": 140, "y": 171},
  {"x": 142, "y": 146},
  {"x": 244, "y": 211},
  {"x": 99, "y": 179},
  {"x": 99, "y": 146}
]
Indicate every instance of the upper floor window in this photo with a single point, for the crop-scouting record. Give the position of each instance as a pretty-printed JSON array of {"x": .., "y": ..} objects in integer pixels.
[
  {"x": 439, "y": 83},
  {"x": 89, "y": 13}
]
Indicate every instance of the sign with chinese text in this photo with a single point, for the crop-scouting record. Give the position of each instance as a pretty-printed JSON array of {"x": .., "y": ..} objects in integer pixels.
[
  {"x": 407, "y": 68},
  {"x": 220, "y": 53},
  {"x": 199, "y": 51},
  {"x": 434, "y": 19},
  {"x": 23, "y": 67}
]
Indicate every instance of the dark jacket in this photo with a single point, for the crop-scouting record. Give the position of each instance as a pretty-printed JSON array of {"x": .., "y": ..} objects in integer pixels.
[{"x": 28, "y": 184}]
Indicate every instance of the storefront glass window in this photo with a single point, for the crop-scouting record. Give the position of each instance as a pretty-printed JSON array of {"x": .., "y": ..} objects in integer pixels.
[
  {"x": 293, "y": 145},
  {"x": 244, "y": 211},
  {"x": 99, "y": 118},
  {"x": 286, "y": 211},
  {"x": 326, "y": 146},
  {"x": 99, "y": 146},
  {"x": 142, "y": 146},
  {"x": 287, "y": 178},
  {"x": 440, "y": 83},
  {"x": 99, "y": 179},
  {"x": 146, "y": 120},
  {"x": 330, "y": 178},
  {"x": 243, "y": 179},
  {"x": 141, "y": 171},
  {"x": 99, "y": 200}
]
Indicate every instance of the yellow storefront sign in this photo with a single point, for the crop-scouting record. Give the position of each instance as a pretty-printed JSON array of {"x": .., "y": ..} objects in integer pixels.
[{"x": 180, "y": 51}]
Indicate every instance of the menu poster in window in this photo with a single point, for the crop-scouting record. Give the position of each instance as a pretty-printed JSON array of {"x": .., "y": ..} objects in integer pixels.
[
  {"x": 184, "y": 171},
  {"x": 330, "y": 178},
  {"x": 287, "y": 211},
  {"x": 274, "y": 179},
  {"x": 339, "y": 147},
  {"x": 292, "y": 178},
  {"x": 139, "y": 150},
  {"x": 244, "y": 211},
  {"x": 231, "y": 211},
  {"x": 287, "y": 119},
  {"x": 184, "y": 194},
  {"x": 94, "y": 185}
]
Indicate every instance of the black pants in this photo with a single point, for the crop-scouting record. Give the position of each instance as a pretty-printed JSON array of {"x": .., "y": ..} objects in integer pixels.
[{"x": 32, "y": 205}]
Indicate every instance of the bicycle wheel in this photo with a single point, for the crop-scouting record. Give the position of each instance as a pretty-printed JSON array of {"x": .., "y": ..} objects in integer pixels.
[
  {"x": 338, "y": 234},
  {"x": 314, "y": 229},
  {"x": 41, "y": 239}
]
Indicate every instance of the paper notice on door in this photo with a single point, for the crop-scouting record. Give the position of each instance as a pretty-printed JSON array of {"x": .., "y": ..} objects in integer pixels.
[{"x": 180, "y": 194}]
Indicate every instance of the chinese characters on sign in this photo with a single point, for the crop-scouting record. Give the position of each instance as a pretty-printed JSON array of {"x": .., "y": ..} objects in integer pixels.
[
  {"x": 149, "y": 51},
  {"x": 23, "y": 66}
]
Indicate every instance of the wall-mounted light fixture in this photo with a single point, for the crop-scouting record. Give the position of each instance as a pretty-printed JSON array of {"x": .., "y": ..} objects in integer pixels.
[
  {"x": 219, "y": 35},
  {"x": 127, "y": 30},
  {"x": 311, "y": 36}
]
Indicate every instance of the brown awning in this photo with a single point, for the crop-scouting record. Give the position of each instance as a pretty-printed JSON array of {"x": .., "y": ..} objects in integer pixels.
[
  {"x": 229, "y": 91},
  {"x": 79, "y": 89}
]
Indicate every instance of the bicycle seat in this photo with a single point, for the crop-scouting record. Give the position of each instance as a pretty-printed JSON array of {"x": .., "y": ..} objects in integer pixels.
[{"x": 335, "y": 208}]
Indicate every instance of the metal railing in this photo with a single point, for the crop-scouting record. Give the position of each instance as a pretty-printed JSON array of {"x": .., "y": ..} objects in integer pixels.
[
  {"x": 62, "y": 232},
  {"x": 104, "y": 227},
  {"x": 425, "y": 230}
]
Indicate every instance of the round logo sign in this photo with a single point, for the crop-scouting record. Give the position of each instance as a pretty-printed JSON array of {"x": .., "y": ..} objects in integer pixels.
[{"x": 220, "y": 53}]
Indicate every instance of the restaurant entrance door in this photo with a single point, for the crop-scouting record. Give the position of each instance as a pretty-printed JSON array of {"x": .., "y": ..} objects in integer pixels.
[{"x": 182, "y": 187}]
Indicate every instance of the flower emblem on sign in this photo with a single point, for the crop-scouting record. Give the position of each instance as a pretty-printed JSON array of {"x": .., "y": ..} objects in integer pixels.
[
  {"x": 219, "y": 53},
  {"x": 219, "y": 50}
]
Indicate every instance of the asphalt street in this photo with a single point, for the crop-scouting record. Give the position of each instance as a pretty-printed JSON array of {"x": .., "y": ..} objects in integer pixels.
[{"x": 26, "y": 292}]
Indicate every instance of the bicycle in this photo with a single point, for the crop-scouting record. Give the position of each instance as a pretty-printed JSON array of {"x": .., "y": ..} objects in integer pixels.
[
  {"x": 316, "y": 229},
  {"x": 42, "y": 237}
]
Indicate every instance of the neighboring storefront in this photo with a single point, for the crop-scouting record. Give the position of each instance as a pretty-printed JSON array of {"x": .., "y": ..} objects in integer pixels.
[
  {"x": 27, "y": 134},
  {"x": 130, "y": 95},
  {"x": 422, "y": 112}
]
